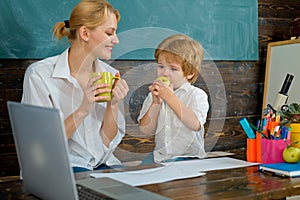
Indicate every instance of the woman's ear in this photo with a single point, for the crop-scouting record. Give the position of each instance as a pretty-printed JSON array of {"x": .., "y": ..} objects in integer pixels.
[{"x": 84, "y": 33}]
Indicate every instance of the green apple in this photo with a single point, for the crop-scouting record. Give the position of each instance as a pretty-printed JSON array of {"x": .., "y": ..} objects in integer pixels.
[
  {"x": 164, "y": 80},
  {"x": 291, "y": 154}
]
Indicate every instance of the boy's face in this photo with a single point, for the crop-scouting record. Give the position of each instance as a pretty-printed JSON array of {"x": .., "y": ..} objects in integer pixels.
[{"x": 171, "y": 68}]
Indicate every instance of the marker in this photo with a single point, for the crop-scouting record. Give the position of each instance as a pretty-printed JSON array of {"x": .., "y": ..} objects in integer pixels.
[
  {"x": 264, "y": 124},
  {"x": 283, "y": 133},
  {"x": 276, "y": 132},
  {"x": 245, "y": 125}
]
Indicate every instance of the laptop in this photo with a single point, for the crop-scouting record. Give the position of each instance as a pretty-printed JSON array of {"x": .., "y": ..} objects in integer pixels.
[{"x": 42, "y": 151}]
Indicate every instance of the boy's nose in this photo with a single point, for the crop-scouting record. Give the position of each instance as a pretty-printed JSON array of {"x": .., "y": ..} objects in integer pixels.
[{"x": 165, "y": 72}]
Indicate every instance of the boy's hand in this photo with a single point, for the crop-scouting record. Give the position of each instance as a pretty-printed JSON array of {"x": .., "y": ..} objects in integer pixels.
[{"x": 160, "y": 90}]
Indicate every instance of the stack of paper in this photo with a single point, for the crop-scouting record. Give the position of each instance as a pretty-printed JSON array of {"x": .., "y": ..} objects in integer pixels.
[{"x": 174, "y": 170}]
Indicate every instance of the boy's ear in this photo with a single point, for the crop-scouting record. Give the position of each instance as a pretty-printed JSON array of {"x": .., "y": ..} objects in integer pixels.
[{"x": 190, "y": 76}]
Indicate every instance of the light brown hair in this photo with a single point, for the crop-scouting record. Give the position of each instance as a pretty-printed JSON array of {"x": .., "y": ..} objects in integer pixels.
[
  {"x": 89, "y": 13},
  {"x": 184, "y": 50}
]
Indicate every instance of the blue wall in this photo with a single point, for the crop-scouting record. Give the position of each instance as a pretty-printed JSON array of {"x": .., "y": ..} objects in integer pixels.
[{"x": 227, "y": 29}]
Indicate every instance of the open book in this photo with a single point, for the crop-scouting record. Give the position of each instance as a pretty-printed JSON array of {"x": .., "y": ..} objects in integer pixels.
[{"x": 281, "y": 169}]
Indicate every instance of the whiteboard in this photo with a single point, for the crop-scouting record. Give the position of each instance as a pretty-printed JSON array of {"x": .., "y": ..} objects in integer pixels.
[{"x": 283, "y": 58}]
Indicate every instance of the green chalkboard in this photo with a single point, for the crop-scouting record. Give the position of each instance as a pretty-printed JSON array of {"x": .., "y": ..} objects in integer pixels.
[{"x": 227, "y": 29}]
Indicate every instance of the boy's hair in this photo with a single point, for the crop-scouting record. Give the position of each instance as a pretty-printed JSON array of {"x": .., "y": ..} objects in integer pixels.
[{"x": 188, "y": 52}]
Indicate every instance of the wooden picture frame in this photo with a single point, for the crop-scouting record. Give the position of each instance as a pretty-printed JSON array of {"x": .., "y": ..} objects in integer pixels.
[{"x": 283, "y": 58}]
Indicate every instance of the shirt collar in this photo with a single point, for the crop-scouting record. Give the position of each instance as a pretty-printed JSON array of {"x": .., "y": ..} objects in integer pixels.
[
  {"x": 183, "y": 87},
  {"x": 61, "y": 68}
]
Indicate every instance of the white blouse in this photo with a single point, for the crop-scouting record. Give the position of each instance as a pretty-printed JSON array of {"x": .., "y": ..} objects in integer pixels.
[{"x": 49, "y": 83}]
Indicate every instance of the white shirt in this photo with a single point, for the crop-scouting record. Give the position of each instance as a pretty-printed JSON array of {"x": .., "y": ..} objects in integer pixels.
[
  {"x": 49, "y": 83},
  {"x": 172, "y": 138}
]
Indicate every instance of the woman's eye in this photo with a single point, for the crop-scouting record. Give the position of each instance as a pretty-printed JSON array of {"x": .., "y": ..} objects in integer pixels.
[{"x": 109, "y": 34}]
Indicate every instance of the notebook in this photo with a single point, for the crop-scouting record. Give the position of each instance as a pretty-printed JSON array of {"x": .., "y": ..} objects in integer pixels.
[
  {"x": 281, "y": 169},
  {"x": 42, "y": 151}
]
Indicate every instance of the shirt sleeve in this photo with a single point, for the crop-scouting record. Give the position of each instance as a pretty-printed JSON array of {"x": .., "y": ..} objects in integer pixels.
[
  {"x": 121, "y": 131},
  {"x": 200, "y": 106},
  {"x": 35, "y": 90},
  {"x": 146, "y": 105}
]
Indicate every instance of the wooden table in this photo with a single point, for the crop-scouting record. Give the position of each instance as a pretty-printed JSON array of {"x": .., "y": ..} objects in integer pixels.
[{"x": 240, "y": 183}]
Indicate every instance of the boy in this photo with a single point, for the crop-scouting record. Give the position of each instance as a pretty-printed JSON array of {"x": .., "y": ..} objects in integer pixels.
[{"x": 176, "y": 113}]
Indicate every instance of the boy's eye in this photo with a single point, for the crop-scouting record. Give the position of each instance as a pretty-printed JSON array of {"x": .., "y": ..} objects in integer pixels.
[
  {"x": 161, "y": 66},
  {"x": 173, "y": 69}
]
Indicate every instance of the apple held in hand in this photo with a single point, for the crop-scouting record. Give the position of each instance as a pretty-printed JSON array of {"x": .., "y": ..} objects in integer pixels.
[
  {"x": 164, "y": 80},
  {"x": 291, "y": 154}
]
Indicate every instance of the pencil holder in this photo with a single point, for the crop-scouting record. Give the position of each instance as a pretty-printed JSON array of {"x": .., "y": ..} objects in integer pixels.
[
  {"x": 271, "y": 150},
  {"x": 258, "y": 147},
  {"x": 251, "y": 150}
]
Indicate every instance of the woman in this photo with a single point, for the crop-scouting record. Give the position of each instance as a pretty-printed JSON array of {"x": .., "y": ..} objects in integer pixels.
[{"x": 93, "y": 129}]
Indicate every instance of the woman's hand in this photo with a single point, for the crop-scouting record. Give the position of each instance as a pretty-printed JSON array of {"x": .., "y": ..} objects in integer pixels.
[
  {"x": 120, "y": 89},
  {"x": 91, "y": 92}
]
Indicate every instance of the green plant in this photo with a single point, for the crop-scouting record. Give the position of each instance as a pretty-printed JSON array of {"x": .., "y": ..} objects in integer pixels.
[{"x": 290, "y": 114}]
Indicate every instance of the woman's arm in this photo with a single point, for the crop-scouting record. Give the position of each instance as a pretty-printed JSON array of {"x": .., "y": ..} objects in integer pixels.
[{"x": 109, "y": 127}]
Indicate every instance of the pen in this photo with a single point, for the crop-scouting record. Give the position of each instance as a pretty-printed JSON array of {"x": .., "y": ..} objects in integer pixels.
[
  {"x": 276, "y": 132},
  {"x": 277, "y": 118},
  {"x": 258, "y": 124},
  {"x": 288, "y": 134},
  {"x": 283, "y": 133},
  {"x": 264, "y": 124}
]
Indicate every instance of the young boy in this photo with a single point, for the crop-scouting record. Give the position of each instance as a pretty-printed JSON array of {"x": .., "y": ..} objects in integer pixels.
[{"x": 176, "y": 113}]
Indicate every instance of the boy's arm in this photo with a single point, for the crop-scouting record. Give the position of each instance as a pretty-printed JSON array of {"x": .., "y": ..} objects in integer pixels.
[
  {"x": 184, "y": 113},
  {"x": 148, "y": 122}
]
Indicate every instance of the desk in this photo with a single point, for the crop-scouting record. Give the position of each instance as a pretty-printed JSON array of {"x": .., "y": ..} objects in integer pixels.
[{"x": 241, "y": 183}]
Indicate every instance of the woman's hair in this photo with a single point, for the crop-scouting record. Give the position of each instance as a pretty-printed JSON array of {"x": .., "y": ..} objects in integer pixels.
[
  {"x": 184, "y": 50},
  {"x": 89, "y": 13}
]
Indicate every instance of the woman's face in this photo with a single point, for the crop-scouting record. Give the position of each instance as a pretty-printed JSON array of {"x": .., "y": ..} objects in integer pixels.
[{"x": 102, "y": 39}]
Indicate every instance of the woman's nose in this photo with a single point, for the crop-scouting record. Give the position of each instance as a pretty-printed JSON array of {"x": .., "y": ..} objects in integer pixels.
[{"x": 115, "y": 40}]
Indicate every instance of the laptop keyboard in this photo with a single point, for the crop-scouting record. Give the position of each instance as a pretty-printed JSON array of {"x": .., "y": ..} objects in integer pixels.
[{"x": 85, "y": 193}]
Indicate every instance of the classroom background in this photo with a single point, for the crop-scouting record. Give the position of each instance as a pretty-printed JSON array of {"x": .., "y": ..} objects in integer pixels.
[{"x": 243, "y": 80}]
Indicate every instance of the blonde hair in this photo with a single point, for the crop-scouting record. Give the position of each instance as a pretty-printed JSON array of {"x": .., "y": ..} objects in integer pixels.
[
  {"x": 183, "y": 50},
  {"x": 89, "y": 13}
]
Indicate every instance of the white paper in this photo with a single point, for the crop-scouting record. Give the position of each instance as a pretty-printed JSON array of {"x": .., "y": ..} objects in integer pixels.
[
  {"x": 214, "y": 154},
  {"x": 150, "y": 176},
  {"x": 174, "y": 170},
  {"x": 210, "y": 164}
]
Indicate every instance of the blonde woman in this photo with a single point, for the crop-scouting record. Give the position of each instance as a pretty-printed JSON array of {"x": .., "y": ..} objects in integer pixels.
[{"x": 63, "y": 82}]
